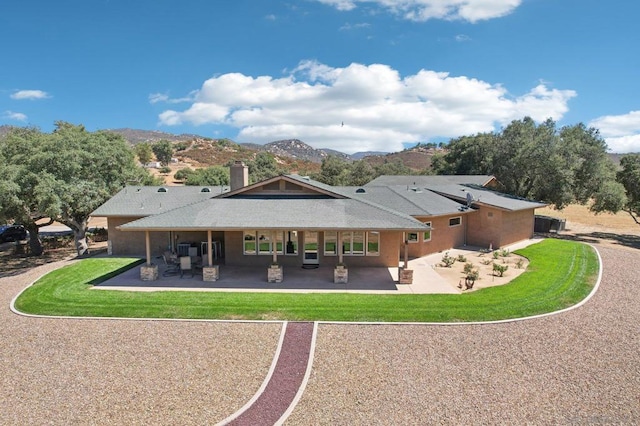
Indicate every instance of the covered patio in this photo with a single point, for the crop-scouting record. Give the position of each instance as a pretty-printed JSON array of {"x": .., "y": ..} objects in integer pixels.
[{"x": 375, "y": 280}]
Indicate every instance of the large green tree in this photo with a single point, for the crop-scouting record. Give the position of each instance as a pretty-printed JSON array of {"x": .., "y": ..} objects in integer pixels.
[
  {"x": 539, "y": 161},
  {"x": 62, "y": 176},
  {"x": 144, "y": 152},
  {"x": 163, "y": 150},
  {"x": 214, "y": 175},
  {"x": 629, "y": 177}
]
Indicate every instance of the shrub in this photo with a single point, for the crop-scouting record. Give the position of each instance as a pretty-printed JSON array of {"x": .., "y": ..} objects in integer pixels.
[
  {"x": 165, "y": 170},
  {"x": 504, "y": 253},
  {"x": 447, "y": 260},
  {"x": 496, "y": 254},
  {"x": 499, "y": 269},
  {"x": 520, "y": 264},
  {"x": 468, "y": 267},
  {"x": 461, "y": 258}
]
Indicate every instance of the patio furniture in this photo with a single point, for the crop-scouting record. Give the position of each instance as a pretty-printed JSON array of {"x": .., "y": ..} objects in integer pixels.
[
  {"x": 171, "y": 265},
  {"x": 185, "y": 265}
]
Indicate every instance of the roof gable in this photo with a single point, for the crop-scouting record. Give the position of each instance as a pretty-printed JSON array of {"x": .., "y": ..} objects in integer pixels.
[{"x": 285, "y": 186}]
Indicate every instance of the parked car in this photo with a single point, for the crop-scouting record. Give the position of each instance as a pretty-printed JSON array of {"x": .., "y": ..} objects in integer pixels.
[{"x": 12, "y": 233}]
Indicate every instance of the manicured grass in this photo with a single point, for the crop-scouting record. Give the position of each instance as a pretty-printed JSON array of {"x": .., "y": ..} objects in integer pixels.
[{"x": 560, "y": 274}]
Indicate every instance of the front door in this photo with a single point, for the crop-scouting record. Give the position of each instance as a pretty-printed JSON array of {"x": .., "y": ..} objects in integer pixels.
[{"x": 311, "y": 248}]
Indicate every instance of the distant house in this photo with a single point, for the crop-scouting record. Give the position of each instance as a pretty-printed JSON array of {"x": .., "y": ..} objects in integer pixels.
[{"x": 295, "y": 220}]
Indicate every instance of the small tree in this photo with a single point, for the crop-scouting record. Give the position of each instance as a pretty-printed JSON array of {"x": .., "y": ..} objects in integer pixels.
[
  {"x": 144, "y": 152},
  {"x": 163, "y": 151}
]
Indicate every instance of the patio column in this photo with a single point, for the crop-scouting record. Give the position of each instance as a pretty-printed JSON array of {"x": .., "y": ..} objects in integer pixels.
[
  {"x": 274, "y": 246},
  {"x": 339, "y": 242},
  {"x": 147, "y": 241},
  {"x": 209, "y": 248}
]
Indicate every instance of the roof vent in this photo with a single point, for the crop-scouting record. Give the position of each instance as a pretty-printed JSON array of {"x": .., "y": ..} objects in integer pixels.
[
  {"x": 360, "y": 191},
  {"x": 162, "y": 189},
  {"x": 205, "y": 190}
]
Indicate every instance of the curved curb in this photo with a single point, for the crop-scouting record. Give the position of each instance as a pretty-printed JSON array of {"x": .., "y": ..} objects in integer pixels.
[
  {"x": 283, "y": 387},
  {"x": 509, "y": 320}
]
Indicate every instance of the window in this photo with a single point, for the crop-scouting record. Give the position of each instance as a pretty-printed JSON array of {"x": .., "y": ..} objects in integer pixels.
[
  {"x": 373, "y": 243},
  {"x": 265, "y": 244},
  {"x": 249, "y": 242},
  {"x": 412, "y": 237},
  {"x": 426, "y": 235},
  {"x": 330, "y": 243},
  {"x": 354, "y": 243},
  {"x": 265, "y": 241},
  {"x": 455, "y": 221}
]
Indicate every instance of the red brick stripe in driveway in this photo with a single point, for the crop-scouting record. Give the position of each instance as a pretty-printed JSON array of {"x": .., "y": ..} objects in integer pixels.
[{"x": 286, "y": 379}]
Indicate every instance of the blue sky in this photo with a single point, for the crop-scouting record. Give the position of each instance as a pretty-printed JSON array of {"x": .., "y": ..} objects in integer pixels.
[{"x": 351, "y": 75}]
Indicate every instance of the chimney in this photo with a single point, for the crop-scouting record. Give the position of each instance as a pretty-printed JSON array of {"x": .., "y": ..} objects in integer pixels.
[{"x": 239, "y": 175}]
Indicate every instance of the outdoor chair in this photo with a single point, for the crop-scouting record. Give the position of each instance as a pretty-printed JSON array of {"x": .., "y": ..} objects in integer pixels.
[
  {"x": 185, "y": 265},
  {"x": 171, "y": 267}
]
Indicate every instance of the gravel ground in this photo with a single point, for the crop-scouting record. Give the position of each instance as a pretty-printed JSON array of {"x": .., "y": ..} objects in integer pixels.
[
  {"x": 58, "y": 371},
  {"x": 581, "y": 367}
]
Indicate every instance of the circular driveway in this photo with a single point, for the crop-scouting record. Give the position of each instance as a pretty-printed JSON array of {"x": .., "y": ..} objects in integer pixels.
[{"x": 578, "y": 367}]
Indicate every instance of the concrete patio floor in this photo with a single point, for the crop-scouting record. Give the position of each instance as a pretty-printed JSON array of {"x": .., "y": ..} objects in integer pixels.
[{"x": 379, "y": 280}]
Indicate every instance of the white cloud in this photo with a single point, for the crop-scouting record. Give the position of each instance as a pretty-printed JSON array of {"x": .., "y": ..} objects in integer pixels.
[
  {"x": 155, "y": 98},
  {"x": 462, "y": 38},
  {"x": 622, "y": 132},
  {"x": 423, "y": 10},
  {"x": 15, "y": 116},
  {"x": 380, "y": 109},
  {"x": 30, "y": 94}
]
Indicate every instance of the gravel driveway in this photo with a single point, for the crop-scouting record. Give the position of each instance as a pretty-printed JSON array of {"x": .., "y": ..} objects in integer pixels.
[{"x": 579, "y": 367}]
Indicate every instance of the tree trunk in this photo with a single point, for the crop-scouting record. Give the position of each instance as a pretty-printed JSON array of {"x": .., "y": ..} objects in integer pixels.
[
  {"x": 79, "y": 228},
  {"x": 35, "y": 245}
]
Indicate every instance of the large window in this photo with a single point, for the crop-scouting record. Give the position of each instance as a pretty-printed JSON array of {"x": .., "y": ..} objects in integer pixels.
[
  {"x": 455, "y": 221},
  {"x": 249, "y": 242},
  {"x": 354, "y": 243},
  {"x": 330, "y": 243},
  {"x": 373, "y": 243},
  {"x": 426, "y": 235},
  {"x": 412, "y": 237},
  {"x": 265, "y": 242}
]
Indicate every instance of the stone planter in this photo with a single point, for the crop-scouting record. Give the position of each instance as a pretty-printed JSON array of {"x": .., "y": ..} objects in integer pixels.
[
  {"x": 211, "y": 273},
  {"x": 274, "y": 274},
  {"x": 340, "y": 275},
  {"x": 405, "y": 276},
  {"x": 149, "y": 272}
]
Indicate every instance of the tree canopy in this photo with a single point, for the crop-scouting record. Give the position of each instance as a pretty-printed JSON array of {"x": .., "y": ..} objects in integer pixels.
[
  {"x": 163, "y": 150},
  {"x": 629, "y": 177},
  {"x": 540, "y": 162},
  {"x": 62, "y": 176},
  {"x": 214, "y": 176}
]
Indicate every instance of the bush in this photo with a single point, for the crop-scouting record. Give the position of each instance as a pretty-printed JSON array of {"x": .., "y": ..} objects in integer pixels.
[
  {"x": 499, "y": 269},
  {"x": 447, "y": 260},
  {"x": 165, "y": 170},
  {"x": 461, "y": 258},
  {"x": 504, "y": 253}
]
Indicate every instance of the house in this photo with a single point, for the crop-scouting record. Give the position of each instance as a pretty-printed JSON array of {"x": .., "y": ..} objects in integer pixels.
[{"x": 292, "y": 220}]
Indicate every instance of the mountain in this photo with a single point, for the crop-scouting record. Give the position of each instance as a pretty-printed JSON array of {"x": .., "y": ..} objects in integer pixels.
[
  {"x": 136, "y": 136},
  {"x": 295, "y": 148},
  {"x": 361, "y": 155}
]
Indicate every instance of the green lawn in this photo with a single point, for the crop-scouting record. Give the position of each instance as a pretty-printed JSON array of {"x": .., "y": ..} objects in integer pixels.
[{"x": 560, "y": 274}]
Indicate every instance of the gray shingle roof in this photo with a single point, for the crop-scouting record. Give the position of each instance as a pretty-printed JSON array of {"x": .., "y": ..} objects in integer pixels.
[
  {"x": 415, "y": 202},
  {"x": 484, "y": 196},
  {"x": 244, "y": 213},
  {"x": 150, "y": 200},
  {"x": 421, "y": 181}
]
